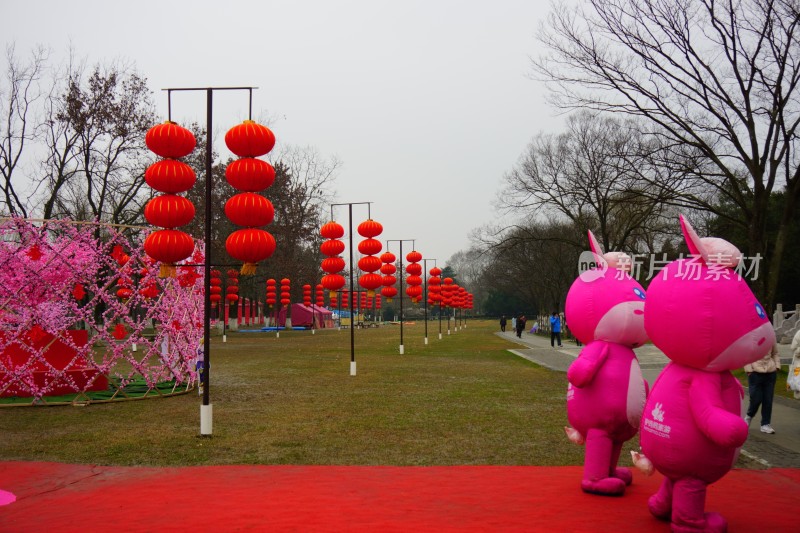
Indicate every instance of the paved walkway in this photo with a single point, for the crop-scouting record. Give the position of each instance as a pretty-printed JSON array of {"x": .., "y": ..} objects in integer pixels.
[{"x": 781, "y": 449}]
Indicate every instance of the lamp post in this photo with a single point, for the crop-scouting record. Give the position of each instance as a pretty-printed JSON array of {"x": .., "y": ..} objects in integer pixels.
[
  {"x": 400, "y": 293},
  {"x": 425, "y": 293},
  {"x": 206, "y": 417},
  {"x": 350, "y": 229}
]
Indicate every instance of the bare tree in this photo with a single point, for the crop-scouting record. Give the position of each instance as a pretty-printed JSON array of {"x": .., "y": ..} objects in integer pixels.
[
  {"x": 593, "y": 175},
  {"x": 95, "y": 133},
  {"x": 715, "y": 78},
  {"x": 18, "y": 124}
]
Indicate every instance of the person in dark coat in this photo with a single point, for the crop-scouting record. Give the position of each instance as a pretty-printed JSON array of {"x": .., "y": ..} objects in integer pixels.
[
  {"x": 503, "y": 323},
  {"x": 520, "y": 325}
]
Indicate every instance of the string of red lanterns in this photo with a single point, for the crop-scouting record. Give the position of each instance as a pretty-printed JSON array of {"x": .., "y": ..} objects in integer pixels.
[
  {"x": 168, "y": 210},
  {"x": 369, "y": 263},
  {"x": 285, "y": 295},
  {"x": 388, "y": 269},
  {"x": 250, "y": 245},
  {"x": 271, "y": 293},
  {"x": 414, "y": 279},
  {"x": 333, "y": 264}
]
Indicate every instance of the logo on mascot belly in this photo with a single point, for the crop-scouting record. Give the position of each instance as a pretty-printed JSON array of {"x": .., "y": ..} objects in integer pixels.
[{"x": 656, "y": 425}]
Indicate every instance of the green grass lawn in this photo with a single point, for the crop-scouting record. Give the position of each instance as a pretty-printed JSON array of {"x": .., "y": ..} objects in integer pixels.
[{"x": 291, "y": 400}]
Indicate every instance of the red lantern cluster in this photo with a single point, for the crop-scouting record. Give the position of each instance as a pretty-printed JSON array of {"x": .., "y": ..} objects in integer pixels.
[
  {"x": 369, "y": 263},
  {"x": 378, "y": 302},
  {"x": 333, "y": 264},
  {"x": 169, "y": 210},
  {"x": 435, "y": 286},
  {"x": 285, "y": 296},
  {"x": 232, "y": 290},
  {"x": 307, "y": 295},
  {"x": 320, "y": 294},
  {"x": 271, "y": 294},
  {"x": 250, "y": 245},
  {"x": 216, "y": 287},
  {"x": 447, "y": 292},
  {"x": 345, "y": 299},
  {"x": 388, "y": 269},
  {"x": 414, "y": 279}
]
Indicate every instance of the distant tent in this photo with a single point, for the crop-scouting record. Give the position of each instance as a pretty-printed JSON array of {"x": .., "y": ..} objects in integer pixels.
[{"x": 305, "y": 316}]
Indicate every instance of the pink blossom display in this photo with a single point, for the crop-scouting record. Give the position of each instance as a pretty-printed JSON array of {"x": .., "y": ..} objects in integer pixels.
[{"x": 61, "y": 276}]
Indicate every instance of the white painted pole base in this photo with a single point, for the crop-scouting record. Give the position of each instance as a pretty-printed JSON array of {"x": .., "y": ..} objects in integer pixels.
[
  {"x": 426, "y": 341},
  {"x": 224, "y": 338},
  {"x": 402, "y": 349},
  {"x": 448, "y": 331},
  {"x": 352, "y": 368},
  {"x": 133, "y": 347},
  {"x": 313, "y": 332},
  {"x": 277, "y": 334},
  {"x": 205, "y": 419},
  {"x": 440, "y": 336}
]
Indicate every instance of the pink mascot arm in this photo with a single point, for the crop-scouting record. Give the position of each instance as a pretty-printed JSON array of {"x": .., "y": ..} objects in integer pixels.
[
  {"x": 720, "y": 426},
  {"x": 582, "y": 371}
]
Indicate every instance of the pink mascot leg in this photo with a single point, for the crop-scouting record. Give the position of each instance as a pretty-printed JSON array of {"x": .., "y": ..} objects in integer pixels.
[
  {"x": 660, "y": 503},
  {"x": 688, "y": 508},
  {"x": 620, "y": 473},
  {"x": 597, "y": 466}
]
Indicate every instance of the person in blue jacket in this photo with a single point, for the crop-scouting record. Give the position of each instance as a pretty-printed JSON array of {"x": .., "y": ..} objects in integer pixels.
[{"x": 555, "y": 329}]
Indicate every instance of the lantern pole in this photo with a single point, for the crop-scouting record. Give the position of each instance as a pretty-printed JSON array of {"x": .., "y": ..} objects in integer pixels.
[
  {"x": 206, "y": 418},
  {"x": 425, "y": 293},
  {"x": 401, "y": 241},
  {"x": 352, "y": 328}
]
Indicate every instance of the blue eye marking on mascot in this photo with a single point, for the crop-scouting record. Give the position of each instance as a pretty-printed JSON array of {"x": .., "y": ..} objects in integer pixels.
[{"x": 638, "y": 292}]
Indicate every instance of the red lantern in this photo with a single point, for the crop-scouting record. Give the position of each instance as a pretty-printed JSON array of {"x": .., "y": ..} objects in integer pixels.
[
  {"x": 169, "y": 211},
  {"x": 249, "y": 209},
  {"x": 414, "y": 256},
  {"x": 331, "y": 247},
  {"x": 332, "y": 230},
  {"x": 124, "y": 293},
  {"x": 170, "y": 176},
  {"x": 370, "y": 247},
  {"x": 333, "y": 282},
  {"x": 388, "y": 293},
  {"x": 249, "y": 174},
  {"x": 307, "y": 295},
  {"x": 77, "y": 292},
  {"x": 250, "y": 246},
  {"x": 170, "y": 140},
  {"x": 249, "y": 139},
  {"x": 168, "y": 246},
  {"x": 333, "y": 265},
  {"x": 370, "y": 282},
  {"x": 370, "y": 229},
  {"x": 369, "y": 263}
]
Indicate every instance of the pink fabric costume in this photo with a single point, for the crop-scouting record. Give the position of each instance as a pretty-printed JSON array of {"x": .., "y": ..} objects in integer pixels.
[
  {"x": 704, "y": 317},
  {"x": 606, "y": 391}
]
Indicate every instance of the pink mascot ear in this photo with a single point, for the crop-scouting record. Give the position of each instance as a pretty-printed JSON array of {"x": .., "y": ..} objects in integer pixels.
[
  {"x": 696, "y": 247},
  {"x": 596, "y": 249}
]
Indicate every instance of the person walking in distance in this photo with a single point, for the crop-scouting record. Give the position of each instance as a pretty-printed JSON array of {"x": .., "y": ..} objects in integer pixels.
[
  {"x": 521, "y": 325},
  {"x": 555, "y": 329},
  {"x": 761, "y": 378},
  {"x": 503, "y": 323}
]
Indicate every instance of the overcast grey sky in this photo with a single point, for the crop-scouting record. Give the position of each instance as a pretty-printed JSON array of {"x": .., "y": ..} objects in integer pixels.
[{"x": 426, "y": 103}]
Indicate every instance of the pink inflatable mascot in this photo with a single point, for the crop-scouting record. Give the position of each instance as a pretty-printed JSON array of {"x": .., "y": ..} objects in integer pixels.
[
  {"x": 704, "y": 317},
  {"x": 606, "y": 391}
]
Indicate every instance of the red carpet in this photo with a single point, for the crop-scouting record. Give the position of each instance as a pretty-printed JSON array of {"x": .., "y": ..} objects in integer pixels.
[{"x": 58, "y": 497}]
